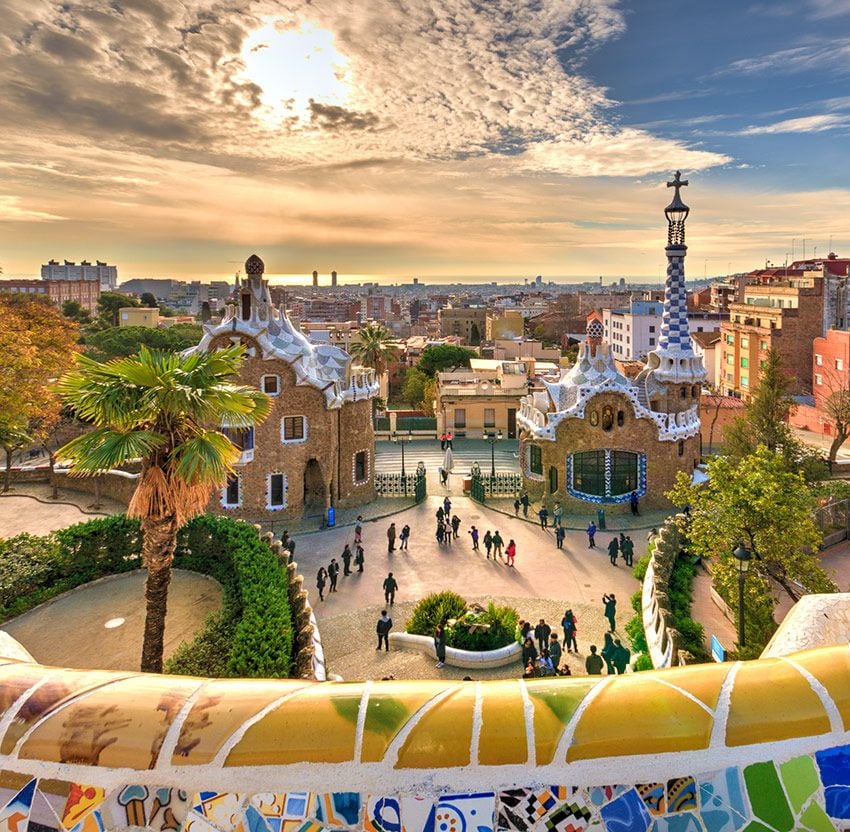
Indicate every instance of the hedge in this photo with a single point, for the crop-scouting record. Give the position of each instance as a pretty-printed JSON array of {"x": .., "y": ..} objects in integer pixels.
[{"x": 251, "y": 636}]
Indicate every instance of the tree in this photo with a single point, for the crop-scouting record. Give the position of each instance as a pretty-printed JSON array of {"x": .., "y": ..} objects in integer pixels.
[
  {"x": 73, "y": 310},
  {"x": 149, "y": 300},
  {"x": 164, "y": 409},
  {"x": 13, "y": 437},
  {"x": 474, "y": 335},
  {"x": 756, "y": 500},
  {"x": 121, "y": 341},
  {"x": 374, "y": 347},
  {"x": 836, "y": 405},
  {"x": 109, "y": 303},
  {"x": 439, "y": 357},
  {"x": 413, "y": 391},
  {"x": 38, "y": 344}
]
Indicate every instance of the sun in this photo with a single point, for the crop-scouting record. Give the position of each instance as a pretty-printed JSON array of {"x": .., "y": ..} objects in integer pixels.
[{"x": 293, "y": 64}]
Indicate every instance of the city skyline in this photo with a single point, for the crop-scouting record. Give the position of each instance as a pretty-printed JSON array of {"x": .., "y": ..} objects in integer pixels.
[{"x": 421, "y": 139}]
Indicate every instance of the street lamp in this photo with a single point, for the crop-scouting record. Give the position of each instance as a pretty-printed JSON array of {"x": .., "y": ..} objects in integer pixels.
[
  {"x": 743, "y": 556},
  {"x": 493, "y": 437},
  {"x": 402, "y": 440}
]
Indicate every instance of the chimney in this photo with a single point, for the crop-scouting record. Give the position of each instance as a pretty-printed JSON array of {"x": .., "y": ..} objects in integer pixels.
[
  {"x": 333, "y": 278},
  {"x": 315, "y": 278}
]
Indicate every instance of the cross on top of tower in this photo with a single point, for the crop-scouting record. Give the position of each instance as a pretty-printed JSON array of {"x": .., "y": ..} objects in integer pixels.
[{"x": 677, "y": 182}]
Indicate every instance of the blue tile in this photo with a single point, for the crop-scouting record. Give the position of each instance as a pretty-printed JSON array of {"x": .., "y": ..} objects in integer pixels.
[
  {"x": 626, "y": 814},
  {"x": 834, "y": 765},
  {"x": 837, "y": 801}
]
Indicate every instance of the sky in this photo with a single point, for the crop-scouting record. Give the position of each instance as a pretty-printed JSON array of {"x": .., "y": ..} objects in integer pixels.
[{"x": 421, "y": 137}]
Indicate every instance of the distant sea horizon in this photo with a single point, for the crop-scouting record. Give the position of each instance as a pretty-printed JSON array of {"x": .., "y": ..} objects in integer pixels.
[{"x": 451, "y": 279}]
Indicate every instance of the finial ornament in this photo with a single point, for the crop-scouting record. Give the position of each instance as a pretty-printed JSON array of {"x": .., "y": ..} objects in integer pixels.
[
  {"x": 676, "y": 213},
  {"x": 677, "y": 182}
]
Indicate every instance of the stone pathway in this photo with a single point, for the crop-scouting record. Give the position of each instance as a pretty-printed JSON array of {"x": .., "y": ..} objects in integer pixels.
[
  {"x": 100, "y": 625},
  {"x": 30, "y": 509}
]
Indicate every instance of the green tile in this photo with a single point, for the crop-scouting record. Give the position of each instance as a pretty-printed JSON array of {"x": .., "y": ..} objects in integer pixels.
[
  {"x": 755, "y": 826},
  {"x": 815, "y": 818},
  {"x": 767, "y": 798},
  {"x": 800, "y": 779}
]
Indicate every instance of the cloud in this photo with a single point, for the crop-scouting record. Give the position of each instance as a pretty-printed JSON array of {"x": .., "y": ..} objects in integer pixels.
[
  {"x": 332, "y": 118},
  {"x": 11, "y": 210},
  {"x": 831, "y": 55},
  {"x": 804, "y": 124}
]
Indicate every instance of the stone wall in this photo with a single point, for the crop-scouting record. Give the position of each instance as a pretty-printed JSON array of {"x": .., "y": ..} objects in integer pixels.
[{"x": 117, "y": 485}]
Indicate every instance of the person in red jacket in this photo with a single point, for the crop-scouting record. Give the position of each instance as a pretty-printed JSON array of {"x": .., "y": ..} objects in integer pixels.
[{"x": 510, "y": 552}]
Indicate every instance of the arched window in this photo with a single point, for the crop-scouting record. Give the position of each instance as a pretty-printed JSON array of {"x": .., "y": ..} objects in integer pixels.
[
  {"x": 553, "y": 479},
  {"x": 621, "y": 417},
  {"x": 593, "y": 416},
  {"x": 695, "y": 391},
  {"x": 607, "y": 418},
  {"x": 683, "y": 393},
  {"x": 681, "y": 447}
]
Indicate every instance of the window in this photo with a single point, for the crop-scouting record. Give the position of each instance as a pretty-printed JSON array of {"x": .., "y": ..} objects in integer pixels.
[
  {"x": 745, "y": 363},
  {"x": 745, "y": 381},
  {"x": 361, "y": 466},
  {"x": 745, "y": 342},
  {"x": 489, "y": 417},
  {"x": 460, "y": 417},
  {"x": 293, "y": 429},
  {"x": 651, "y": 342},
  {"x": 242, "y": 438},
  {"x": 607, "y": 418},
  {"x": 271, "y": 385},
  {"x": 535, "y": 459},
  {"x": 594, "y": 418},
  {"x": 681, "y": 447},
  {"x": 231, "y": 493},
  {"x": 730, "y": 377},
  {"x": 730, "y": 358},
  {"x": 621, "y": 417},
  {"x": 839, "y": 364},
  {"x": 683, "y": 392},
  {"x": 277, "y": 487},
  {"x": 589, "y": 472},
  {"x": 818, "y": 379},
  {"x": 606, "y": 476},
  {"x": 818, "y": 359},
  {"x": 763, "y": 345},
  {"x": 652, "y": 329},
  {"x": 553, "y": 479}
]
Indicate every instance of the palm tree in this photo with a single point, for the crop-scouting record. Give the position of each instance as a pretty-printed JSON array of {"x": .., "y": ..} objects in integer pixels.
[
  {"x": 163, "y": 408},
  {"x": 374, "y": 347}
]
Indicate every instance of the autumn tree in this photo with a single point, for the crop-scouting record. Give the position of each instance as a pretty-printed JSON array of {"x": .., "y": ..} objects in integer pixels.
[
  {"x": 835, "y": 404},
  {"x": 38, "y": 344}
]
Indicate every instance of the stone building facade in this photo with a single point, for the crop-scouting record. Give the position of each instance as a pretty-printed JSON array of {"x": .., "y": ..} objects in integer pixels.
[
  {"x": 597, "y": 436},
  {"x": 316, "y": 448}
]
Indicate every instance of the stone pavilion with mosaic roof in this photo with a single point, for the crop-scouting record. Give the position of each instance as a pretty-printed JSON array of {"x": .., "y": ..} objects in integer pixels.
[
  {"x": 595, "y": 436},
  {"x": 316, "y": 448}
]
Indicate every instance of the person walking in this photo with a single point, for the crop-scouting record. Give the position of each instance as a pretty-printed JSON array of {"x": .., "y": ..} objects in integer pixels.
[
  {"x": 346, "y": 560},
  {"x": 488, "y": 542},
  {"x": 473, "y": 533},
  {"x": 569, "y": 623},
  {"x": 321, "y": 582},
  {"x": 560, "y": 534},
  {"x": 440, "y": 514},
  {"x": 613, "y": 550},
  {"x": 543, "y": 516},
  {"x": 383, "y": 627},
  {"x": 516, "y": 507},
  {"x": 358, "y": 558},
  {"x": 529, "y": 651},
  {"x": 627, "y": 547},
  {"x": 524, "y": 500},
  {"x": 541, "y": 635},
  {"x": 390, "y": 587},
  {"x": 440, "y": 644},
  {"x": 290, "y": 544},
  {"x": 608, "y": 653},
  {"x": 358, "y": 529},
  {"x": 593, "y": 664},
  {"x": 591, "y": 535},
  {"x": 633, "y": 503},
  {"x": 455, "y": 526},
  {"x": 510, "y": 553},
  {"x": 555, "y": 652},
  {"x": 404, "y": 536},
  {"x": 557, "y": 514},
  {"x": 610, "y": 610},
  {"x": 444, "y": 475},
  {"x": 447, "y": 506},
  {"x": 333, "y": 574},
  {"x": 621, "y": 657},
  {"x": 450, "y": 437},
  {"x": 442, "y": 441},
  {"x": 391, "y": 538},
  {"x": 497, "y": 544},
  {"x": 441, "y": 532}
]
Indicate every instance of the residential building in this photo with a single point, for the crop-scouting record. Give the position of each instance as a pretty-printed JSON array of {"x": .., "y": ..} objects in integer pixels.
[
  {"x": 337, "y": 310},
  {"x": 316, "y": 448},
  {"x": 105, "y": 275},
  {"x": 138, "y": 316},
  {"x": 84, "y": 292},
  {"x": 515, "y": 349},
  {"x": 467, "y": 322},
  {"x": 830, "y": 376},
  {"x": 507, "y": 323}
]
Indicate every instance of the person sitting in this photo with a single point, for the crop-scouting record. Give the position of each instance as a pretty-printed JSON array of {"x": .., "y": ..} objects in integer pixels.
[
  {"x": 530, "y": 671},
  {"x": 544, "y": 664}
]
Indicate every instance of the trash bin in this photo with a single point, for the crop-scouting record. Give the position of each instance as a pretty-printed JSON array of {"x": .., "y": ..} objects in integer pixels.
[
  {"x": 467, "y": 485},
  {"x": 600, "y": 518},
  {"x": 332, "y": 517}
]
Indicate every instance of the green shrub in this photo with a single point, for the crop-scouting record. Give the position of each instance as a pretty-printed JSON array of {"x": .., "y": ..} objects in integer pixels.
[
  {"x": 436, "y": 608},
  {"x": 636, "y": 633},
  {"x": 642, "y": 662},
  {"x": 28, "y": 563},
  {"x": 208, "y": 653},
  {"x": 502, "y": 621},
  {"x": 105, "y": 546}
]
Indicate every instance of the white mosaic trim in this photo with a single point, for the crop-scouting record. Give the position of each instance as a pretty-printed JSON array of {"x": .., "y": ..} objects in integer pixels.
[
  {"x": 269, "y": 506},
  {"x": 283, "y": 439},
  {"x": 223, "y": 500}
]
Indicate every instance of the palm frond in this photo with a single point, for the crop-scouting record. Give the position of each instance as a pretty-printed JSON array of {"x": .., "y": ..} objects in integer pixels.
[
  {"x": 208, "y": 458},
  {"x": 105, "y": 448}
]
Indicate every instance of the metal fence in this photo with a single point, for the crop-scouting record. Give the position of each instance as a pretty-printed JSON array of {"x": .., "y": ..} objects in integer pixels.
[
  {"x": 500, "y": 485},
  {"x": 396, "y": 485},
  {"x": 833, "y": 520}
]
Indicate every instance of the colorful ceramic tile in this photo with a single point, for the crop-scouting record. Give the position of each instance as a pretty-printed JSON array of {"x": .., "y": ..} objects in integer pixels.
[
  {"x": 474, "y": 812},
  {"x": 222, "y": 809},
  {"x": 723, "y": 801},
  {"x": 159, "y": 808},
  {"x": 653, "y": 797},
  {"x": 767, "y": 797},
  {"x": 626, "y": 814},
  {"x": 92, "y": 822},
  {"x": 43, "y": 813},
  {"x": 512, "y": 814},
  {"x": 554, "y": 706},
  {"x": 607, "y": 729},
  {"x": 337, "y": 809},
  {"x": 252, "y": 821},
  {"x": 443, "y": 735},
  {"x": 81, "y": 800},
  {"x": 681, "y": 794},
  {"x": 15, "y": 814},
  {"x": 502, "y": 740},
  {"x": 800, "y": 780},
  {"x": 556, "y": 809},
  {"x": 383, "y": 814},
  {"x": 832, "y": 669},
  {"x": 757, "y": 714},
  {"x": 815, "y": 819},
  {"x": 600, "y": 795},
  {"x": 196, "y": 822},
  {"x": 837, "y": 802},
  {"x": 704, "y": 681},
  {"x": 415, "y": 812},
  {"x": 681, "y": 822}
]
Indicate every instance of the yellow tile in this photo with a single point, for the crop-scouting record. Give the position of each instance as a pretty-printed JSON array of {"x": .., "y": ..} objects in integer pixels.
[
  {"x": 704, "y": 681},
  {"x": 116, "y": 726},
  {"x": 443, "y": 735},
  {"x": 502, "y": 740},
  {"x": 554, "y": 702},
  {"x": 316, "y": 725},
  {"x": 220, "y": 709},
  {"x": 390, "y": 706},
  {"x": 60, "y": 688},
  {"x": 831, "y": 667},
  {"x": 669, "y": 721},
  {"x": 772, "y": 701}
]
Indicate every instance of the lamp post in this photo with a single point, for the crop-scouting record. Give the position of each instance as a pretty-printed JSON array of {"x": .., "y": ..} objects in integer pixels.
[
  {"x": 493, "y": 437},
  {"x": 743, "y": 557},
  {"x": 402, "y": 440}
]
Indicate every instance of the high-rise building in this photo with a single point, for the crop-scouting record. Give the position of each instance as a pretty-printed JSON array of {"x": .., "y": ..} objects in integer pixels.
[
  {"x": 315, "y": 279},
  {"x": 84, "y": 292},
  {"x": 106, "y": 275},
  {"x": 333, "y": 278}
]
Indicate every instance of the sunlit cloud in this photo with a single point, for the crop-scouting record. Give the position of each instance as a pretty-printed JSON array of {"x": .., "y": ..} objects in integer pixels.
[{"x": 804, "y": 124}]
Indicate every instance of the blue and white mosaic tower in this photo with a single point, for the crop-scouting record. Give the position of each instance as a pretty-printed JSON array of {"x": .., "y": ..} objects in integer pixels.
[{"x": 674, "y": 360}]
